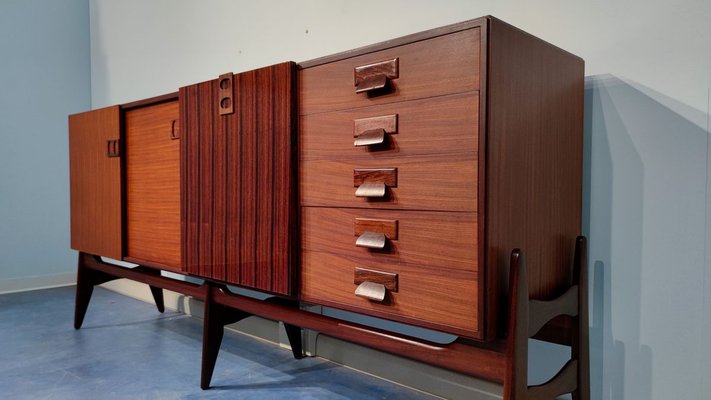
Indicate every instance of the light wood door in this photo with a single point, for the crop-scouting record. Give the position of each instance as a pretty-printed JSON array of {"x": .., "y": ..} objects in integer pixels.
[
  {"x": 95, "y": 182},
  {"x": 153, "y": 186}
]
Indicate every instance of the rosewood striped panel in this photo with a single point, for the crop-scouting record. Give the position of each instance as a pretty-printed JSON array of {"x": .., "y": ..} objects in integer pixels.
[{"x": 238, "y": 181}]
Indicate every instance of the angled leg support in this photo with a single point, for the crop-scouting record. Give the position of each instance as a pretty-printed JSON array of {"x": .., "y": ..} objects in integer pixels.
[
  {"x": 215, "y": 316},
  {"x": 527, "y": 317},
  {"x": 87, "y": 278}
]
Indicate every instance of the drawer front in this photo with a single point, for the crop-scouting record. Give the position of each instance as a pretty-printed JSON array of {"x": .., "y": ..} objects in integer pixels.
[
  {"x": 432, "y": 297},
  {"x": 153, "y": 185},
  {"x": 442, "y": 65},
  {"x": 436, "y": 239},
  {"x": 442, "y": 125},
  {"x": 423, "y": 183}
]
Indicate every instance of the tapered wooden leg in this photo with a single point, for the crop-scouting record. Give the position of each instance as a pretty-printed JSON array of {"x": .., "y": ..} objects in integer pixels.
[
  {"x": 516, "y": 377},
  {"x": 581, "y": 343},
  {"x": 86, "y": 280},
  {"x": 293, "y": 332},
  {"x": 215, "y": 318},
  {"x": 155, "y": 291}
]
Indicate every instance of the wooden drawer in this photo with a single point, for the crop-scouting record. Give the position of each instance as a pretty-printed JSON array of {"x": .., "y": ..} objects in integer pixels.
[
  {"x": 441, "y": 65},
  {"x": 153, "y": 186},
  {"x": 442, "y": 125},
  {"x": 428, "y": 296},
  {"x": 423, "y": 183},
  {"x": 436, "y": 239}
]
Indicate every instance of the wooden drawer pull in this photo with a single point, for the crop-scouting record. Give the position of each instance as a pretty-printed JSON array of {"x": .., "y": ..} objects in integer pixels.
[
  {"x": 373, "y": 285},
  {"x": 373, "y": 182},
  {"x": 371, "y": 189},
  {"x": 371, "y": 291},
  {"x": 376, "y": 76},
  {"x": 370, "y": 138},
  {"x": 371, "y": 240}
]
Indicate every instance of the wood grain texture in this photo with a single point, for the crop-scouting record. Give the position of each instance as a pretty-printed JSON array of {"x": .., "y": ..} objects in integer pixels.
[
  {"x": 441, "y": 65},
  {"x": 388, "y": 176},
  {"x": 153, "y": 185},
  {"x": 388, "y": 227},
  {"x": 442, "y": 125},
  {"x": 423, "y": 183},
  {"x": 432, "y": 297},
  {"x": 388, "y": 123},
  {"x": 534, "y": 162},
  {"x": 438, "y": 239},
  {"x": 239, "y": 182},
  {"x": 95, "y": 183}
]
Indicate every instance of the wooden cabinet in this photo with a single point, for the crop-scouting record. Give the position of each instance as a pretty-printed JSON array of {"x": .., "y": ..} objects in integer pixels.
[
  {"x": 153, "y": 185},
  {"x": 238, "y": 180},
  {"x": 403, "y": 180},
  {"x": 95, "y": 182},
  {"x": 480, "y": 129}
]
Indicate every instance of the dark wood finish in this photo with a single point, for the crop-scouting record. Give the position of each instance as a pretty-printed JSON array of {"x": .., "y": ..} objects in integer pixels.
[
  {"x": 387, "y": 279},
  {"x": 91, "y": 271},
  {"x": 526, "y": 316},
  {"x": 95, "y": 183},
  {"x": 533, "y": 162},
  {"x": 113, "y": 148},
  {"x": 238, "y": 181},
  {"x": 375, "y": 76},
  {"x": 153, "y": 233},
  {"x": 225, "y": 100},
  {"x": 388, "y": 123},
  {"x": 438, "y": 239},
  {"x": 388, "y": 176},
  {"x": 388, "y": 227},
  {"x": 486, "y": 361},
  {"x": 451, "y": 65},
  {"x": 215, "y": 317}
]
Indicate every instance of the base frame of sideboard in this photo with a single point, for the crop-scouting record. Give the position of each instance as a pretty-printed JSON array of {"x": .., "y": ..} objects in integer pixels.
[{"x": 503, "y": 361}]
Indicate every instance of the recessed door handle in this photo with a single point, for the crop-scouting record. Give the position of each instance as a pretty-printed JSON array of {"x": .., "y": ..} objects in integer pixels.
[{"x": 371, "y": 240}]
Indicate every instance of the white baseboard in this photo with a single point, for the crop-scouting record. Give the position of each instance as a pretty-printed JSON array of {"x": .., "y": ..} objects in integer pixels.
[
  {"x": 403, "y": 371},
  {"x": 37, "y": 282}
]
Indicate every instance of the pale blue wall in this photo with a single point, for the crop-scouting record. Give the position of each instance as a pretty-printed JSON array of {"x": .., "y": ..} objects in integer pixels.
[{"x": 44, "y": 75}]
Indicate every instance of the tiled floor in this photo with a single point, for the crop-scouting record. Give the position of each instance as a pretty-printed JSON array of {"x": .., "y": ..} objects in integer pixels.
[{"x": 127, "y": 350}]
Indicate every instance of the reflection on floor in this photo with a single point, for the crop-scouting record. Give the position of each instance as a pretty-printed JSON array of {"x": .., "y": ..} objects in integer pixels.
[{"x": 127, "y": 350}]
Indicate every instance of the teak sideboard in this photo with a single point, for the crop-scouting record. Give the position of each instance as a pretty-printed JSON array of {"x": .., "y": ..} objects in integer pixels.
[{"x": 404, "y": 180}]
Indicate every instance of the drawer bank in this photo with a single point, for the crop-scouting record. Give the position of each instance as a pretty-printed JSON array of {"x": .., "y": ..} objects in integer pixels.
[{"x": 405, "y": 180}]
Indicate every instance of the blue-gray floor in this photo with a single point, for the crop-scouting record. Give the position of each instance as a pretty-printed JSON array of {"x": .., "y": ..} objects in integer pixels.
[{"x": 127, "y": 350}]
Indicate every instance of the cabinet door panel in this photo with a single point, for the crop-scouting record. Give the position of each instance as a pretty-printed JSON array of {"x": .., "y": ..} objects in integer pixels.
[
  {"x": 95, "y": 182},
  {"x": 153, "y": 186}
]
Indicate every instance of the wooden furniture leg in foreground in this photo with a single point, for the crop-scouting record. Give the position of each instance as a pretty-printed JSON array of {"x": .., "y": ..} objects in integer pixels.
[
  {"x": 91, "y": 271},
  {"x": 527, "y": 317},
  {"x": 88, "y": 277}
]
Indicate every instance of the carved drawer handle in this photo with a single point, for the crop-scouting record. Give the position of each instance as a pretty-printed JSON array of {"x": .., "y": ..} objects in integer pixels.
[
  {"x": 370, "y": 138},
  {"x": 371, "y": 291},
  {"x": 371, "y": 240},
  {"x": 374, "y": 77}
]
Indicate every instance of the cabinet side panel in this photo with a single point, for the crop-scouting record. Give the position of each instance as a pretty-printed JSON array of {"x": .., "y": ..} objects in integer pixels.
[
  {"x": 534, "y": 161},
  {"x": 95, "y": 183}
]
